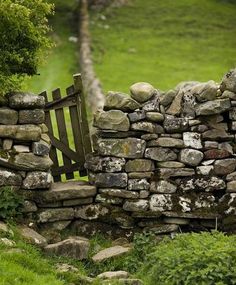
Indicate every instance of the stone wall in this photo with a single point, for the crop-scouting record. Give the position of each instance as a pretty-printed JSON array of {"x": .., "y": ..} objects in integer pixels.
[
  {"x": 165, "y": 161},
  {"x": 24, "y": 145}
]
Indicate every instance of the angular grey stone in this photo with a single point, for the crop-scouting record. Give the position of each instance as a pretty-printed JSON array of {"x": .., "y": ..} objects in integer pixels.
[
  {"x": 163, "y": 229},
  {"x": 224, "y": 166},
  {"x": 127, "y": 148},
  {"x": 231, "y": 176},
  {"x": 176, "y": 105},
  {"x": 191, "y": 156},
  {"x": 8, "y": 116},
  {"x": 29, "y": 207},
  {"x": 192, "y": 140},
  {"x": 163, "y": 186},
  {"x": 175, "y": 125},
  {"x": 91, "y": 212},
  {"x": 20, "y": 132},
  {"x": 231, "y": 186},
  {"x": 120, "y": 101},
  {"x": 52, "y": 215},
  {"x": 218, "y": 135},
  {"x": 160, "y": 154},
  {"x": 210, "y": 144},
  {"x": 100, "y": 198},
  {"x": 138, "y": 184},
  {"x": 155, "y": 116},
  {"x": 232, "y": 113},
  {"x": 205, "y": 170},
  {"x": 104, "y": 164},
  {"x": 139, "y": 165},
  {"x": 21, "y": 148},
  {"x": 7, "y": 144},
  {"x": 213, "y": 107},
  {"x": 167, "y": 98},
  {"x": 177, "y": 221},
  {"x": 36, "y": 116},
  {"x": 41, "y": 148},
  {"x": 121, "y": 193},
  {"x": 229, "y": 81},
  {"x": 26, "y": 101},
  {"x": 170, "y": 164},
  {"x": 152, "y": 105},
  {"x": 9, "y": 178},
  {"x": 31, "y": 236},
  {"x": 142, "y": 91},
  {"x": 112, "y": 120},
  {"x": 137, "y": 116},
  {"x": 161, "y": 202},
  {"x": 140, "y": 175},
  {"x": 206, "y": 184},
  {"x": 149, "y": 137},
  {"x": 77, "y": 248},
  {"x": 143, "y": 194},
  {"x": 229, "y": 94},
  {"x": 166, "y": 142},
  {"x": 166, "y": 173},
  {"x": 205, "y": 91},
  {"x": 136, "y": 205},
  {"x": 147, "y": 127},
  {"x": 77, "y": 202},
  {"x": 110, "y": 252},
  {"x": 115, "y": 180},
  {"x": 37, "y": 179}
]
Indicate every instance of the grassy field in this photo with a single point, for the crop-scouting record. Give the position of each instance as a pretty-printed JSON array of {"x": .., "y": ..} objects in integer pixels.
[{"x": 164, "y": 42}]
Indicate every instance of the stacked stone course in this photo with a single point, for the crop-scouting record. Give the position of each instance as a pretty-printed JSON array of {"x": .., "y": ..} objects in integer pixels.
[{"x": 165, "y": 160}]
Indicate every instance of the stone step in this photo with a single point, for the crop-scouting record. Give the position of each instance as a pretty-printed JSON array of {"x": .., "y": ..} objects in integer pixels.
[{"x": 61, "y": 191}]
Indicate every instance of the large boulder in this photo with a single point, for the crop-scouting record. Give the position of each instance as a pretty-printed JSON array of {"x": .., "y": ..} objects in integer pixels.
[{"x": 142, "y": 91}]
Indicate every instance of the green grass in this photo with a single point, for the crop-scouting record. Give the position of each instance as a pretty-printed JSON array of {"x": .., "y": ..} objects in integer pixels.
[{"x": 164, "y": 42}]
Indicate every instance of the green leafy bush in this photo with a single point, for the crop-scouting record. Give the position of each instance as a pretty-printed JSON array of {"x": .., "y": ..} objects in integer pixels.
[
  {"x": 10, "y": 203},
  {"x": 23, "y": 33},
  {"x": 206, "y": 258}
]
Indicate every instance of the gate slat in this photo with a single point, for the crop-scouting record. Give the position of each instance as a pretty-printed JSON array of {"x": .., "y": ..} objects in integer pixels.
[
  {"x": 53, "y": 151},
  {"x": 56, "y": 94},
  {"x": 77, "y": 134}
]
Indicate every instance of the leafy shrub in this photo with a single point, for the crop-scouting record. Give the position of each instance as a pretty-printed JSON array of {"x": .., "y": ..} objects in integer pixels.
[
  {"x": 23, "y": 33},
  {"x": 206, "y": 258},
  {"x": 10, "y": 203}
]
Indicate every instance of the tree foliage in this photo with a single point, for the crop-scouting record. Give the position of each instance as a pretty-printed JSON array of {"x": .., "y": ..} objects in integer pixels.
[{"x": 23, "y": 32}]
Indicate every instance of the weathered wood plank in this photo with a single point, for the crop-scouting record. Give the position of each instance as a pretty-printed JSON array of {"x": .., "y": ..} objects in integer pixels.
[
  {"x": 60, "y": 117},
  {"x": 53, "y": 151}
]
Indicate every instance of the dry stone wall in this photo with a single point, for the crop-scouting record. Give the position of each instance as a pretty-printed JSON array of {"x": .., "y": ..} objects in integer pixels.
[{"x": 166, "y": 160}]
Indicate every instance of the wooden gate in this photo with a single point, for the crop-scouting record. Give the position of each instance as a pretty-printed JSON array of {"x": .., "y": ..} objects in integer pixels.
[{"x": 67, "y": 123}]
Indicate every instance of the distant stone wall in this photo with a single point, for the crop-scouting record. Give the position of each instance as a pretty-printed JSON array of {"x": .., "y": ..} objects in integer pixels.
[
  {"x": 24, "y": 145},
  {"x": 166, "y": 161}
]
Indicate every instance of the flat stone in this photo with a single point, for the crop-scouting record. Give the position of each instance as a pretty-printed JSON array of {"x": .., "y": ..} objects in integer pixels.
[
  {"x": 205, "y": 170},
  {"x": 213, "y": 107},
  {"x": 161, "y": 202},
  {"x": 36, "y": 116},
  {"x": 37, "y": 179},
  {"x": 77, "y": 202},
  {"x": 137, "y": 116},
  {"x": 110, "y": 252},
  {"x": 21, "y": 148},
  {"x": 166, "y": 142},
  {"x": 52, "y": 215},
  {"x": 229, "y": 81},
  {"x": 77, "y": 248},
  {"x": 9, "y": 178},
  {"x": 232, "y": 113},
  {"x": 216, "y": 153},
  {"x": 192, "y": 140},
  {"x": 113, "y": 275},
  {"x": 127, "y": 148},
  {"x": 20, "y": 100},
  {"x": 32, "y": 236},
  {"x": 218, "y": 135},
  {"x": 91, "y": 212},
  {"x": 142, "y": 91},
  {"x": 112, "y": 120},
  {"x": 8, "y": 116},
  {"x": 143, "y": 194},
  {"x": 109, "y": 134},
  {"x": 177, "y": 221},
  {"x": 138, "y": 184},
  {"x": 231, "y": 186},
  {"x": 170, "y": 164},
  {"x": 120, "y": 101},
  {"x": 7, "y": 144},
  {"x": 231, "y": 176},
  {"x": 155, "y": 116},
  {"x": 140, "y": 175},
  {"x": 111, "y": 180},
  {"x": 147, "y": 127},
  {"x": 61, "y": 191},
  {"x": 163, "y": 186},
  {"x": 175, "y": 172},
  {"x": 121, "y": 193},
  {"x": 192, "y": 215},
  {"x": 168, "y": 97},
  {"x": 160, "y": 154},
  {"x": 101, "y": 198},
  {"x": 163, "y": 229},
  {"x": 191, "y": 156},
  {"x": 136, "y": 205},
  {"x": 104, "y": 164},
  {"x": 149, "y": 137},
  {"x": 20, "y": 132},
  {"x": 210, "y": 145},
  {"x": 224, "y": 166},
  {"x": 139, "y": 165},
  {"x": 205, "y": 91},
  {"x": 41, "y": 148},
  {"x": 175, "y": 125}
]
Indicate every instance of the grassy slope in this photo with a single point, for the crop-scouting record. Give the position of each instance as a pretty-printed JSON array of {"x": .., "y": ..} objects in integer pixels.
[
  {"x": 62, "y": 62},
  {"x": 164, "y": 42}
]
